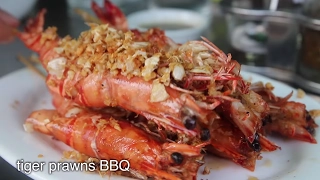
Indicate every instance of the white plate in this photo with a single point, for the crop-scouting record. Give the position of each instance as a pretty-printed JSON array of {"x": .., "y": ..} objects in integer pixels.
[
  {"x": 196, "y": 21},
  {"x": 23, "y": 91}
]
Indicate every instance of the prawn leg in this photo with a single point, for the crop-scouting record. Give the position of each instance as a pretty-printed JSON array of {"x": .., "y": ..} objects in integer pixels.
[{"x": 110, "y": 14}]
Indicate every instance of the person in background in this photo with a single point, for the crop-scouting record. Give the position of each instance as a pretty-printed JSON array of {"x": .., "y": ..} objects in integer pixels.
[{"x": 7, "y": 25}]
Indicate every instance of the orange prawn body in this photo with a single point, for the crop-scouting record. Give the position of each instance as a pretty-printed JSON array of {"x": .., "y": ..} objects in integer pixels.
[
  {"x": 103, "y": 137},
  {"x": 131, "y": 94},
  {"x": 103, "y": 89}
]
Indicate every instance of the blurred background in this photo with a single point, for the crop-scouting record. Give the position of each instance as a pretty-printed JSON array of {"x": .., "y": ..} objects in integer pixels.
[{"x": 278, "y": 39}]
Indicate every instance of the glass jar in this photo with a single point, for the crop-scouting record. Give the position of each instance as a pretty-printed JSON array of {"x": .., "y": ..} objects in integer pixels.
[
  {"x": 257, "y": 33},
  {"x": 309, "y": 61}
]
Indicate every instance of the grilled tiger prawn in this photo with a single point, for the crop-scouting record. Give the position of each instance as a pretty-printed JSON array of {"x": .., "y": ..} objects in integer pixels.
[
  {"x": 71, "y": 78},
  {"x": 103, "y": 137},
  {"x": 246, "y": 108},
  {"x": 121, "y": 72}
]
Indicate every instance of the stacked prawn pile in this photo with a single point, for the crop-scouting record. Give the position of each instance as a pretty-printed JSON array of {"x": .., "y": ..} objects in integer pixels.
[{"x": 124, "y": 94}]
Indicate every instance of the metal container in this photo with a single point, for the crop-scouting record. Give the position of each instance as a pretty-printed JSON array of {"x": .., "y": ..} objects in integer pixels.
[
  {"x": 284, "y": 43},
  {"x": 257, "y": 33}
]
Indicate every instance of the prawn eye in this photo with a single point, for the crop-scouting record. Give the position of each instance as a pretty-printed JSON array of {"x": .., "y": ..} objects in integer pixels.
[
  {"x": 308, "y": 116},
  {"x": 256, "y": 144},
  {"x": 266, "y": 120},
  {"x": 177, "y": 158},
  {"x": 205, "y": 134},
  {"x": 190, "y": 122},
  {"x": 310, "y": 130}
]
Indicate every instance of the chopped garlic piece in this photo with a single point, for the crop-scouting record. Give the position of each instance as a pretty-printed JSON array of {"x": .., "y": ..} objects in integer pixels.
[
  {"x": 46, "y": 121},
  {"x": 87, "y": 64},
  {"x": 150, "y": 65},
  {"x": 58, "y": 50},
  {"x": 138, "y": 45},
  {"x": 315, "y": 113},
  {"x": 158, "y": 92},
  {"x": 73, "y": 111},
  {"x": 200, "y": 69},
  {"x": 28, "y": 127},
  {"x": 300, "y": 93},
  {"x": 178, "y": 72},
  {"x": 269, "y": 86},
  {"x": 57, "y": 66}
]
